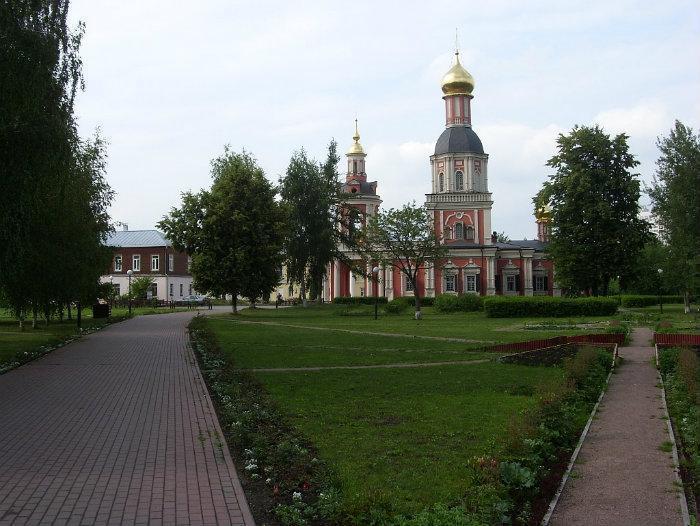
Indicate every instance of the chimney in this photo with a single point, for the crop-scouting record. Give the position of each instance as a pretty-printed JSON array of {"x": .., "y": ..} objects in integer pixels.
[
  {"x": 494, "y": 236},
  {"x": 125, "y": 227}
]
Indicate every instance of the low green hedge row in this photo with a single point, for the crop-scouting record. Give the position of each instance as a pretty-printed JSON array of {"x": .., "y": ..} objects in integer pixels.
[
  {"x": 398, "y": 305},
  {"x": 359, "y": 300},
  {"x": 647, "y": 301},
  {"x": 461, "y": 303},
  {"x": 547, "y": 306}
]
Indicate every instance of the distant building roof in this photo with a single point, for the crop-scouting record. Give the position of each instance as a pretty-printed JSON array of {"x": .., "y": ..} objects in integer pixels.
[
  {"x": 538, "y": 245},
  {"x": 137, "y": 238}
]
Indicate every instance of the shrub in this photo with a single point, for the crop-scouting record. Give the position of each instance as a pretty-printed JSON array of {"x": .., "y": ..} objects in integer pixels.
[
  {"x": 461, "y": 303},
  {"x": 359, "y": 300},
  {"x": 647, "y": 301},
  {"x": 547, "y": 306}
]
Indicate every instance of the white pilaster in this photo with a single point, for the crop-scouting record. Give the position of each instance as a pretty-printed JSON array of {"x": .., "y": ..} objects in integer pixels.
[
  {"x": 336, "y": 279},
  {"x": 352, "y": 283},
  {"x": 528, "y": 277},
  {"x": 491, "y": 276}
]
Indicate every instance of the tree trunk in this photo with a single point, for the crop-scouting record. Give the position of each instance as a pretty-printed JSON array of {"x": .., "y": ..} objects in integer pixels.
[
  {"x": 416, "y": 297},
  {"x": 47, "y": 315},
  {"x": 70, "y": 312},
  {"x": 234, "y": 303},
  {"x": 302, "y": 293},
  {"x": 686, "y": 302},
  {"x": 34, "y": 316},
  {"x": 21, "y": 320}
]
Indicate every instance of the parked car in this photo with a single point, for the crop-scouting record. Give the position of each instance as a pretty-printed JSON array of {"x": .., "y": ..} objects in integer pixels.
[{"x": 194, "y": 299}]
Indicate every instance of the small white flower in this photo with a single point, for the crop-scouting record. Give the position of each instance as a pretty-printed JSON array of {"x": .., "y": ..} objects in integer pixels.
[
  {"x": 296, "y": 495},
  {"x": 268, "y": 481}
]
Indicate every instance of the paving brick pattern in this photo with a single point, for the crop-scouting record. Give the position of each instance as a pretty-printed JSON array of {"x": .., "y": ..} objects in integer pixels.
[{"x": 116, "y": 428}]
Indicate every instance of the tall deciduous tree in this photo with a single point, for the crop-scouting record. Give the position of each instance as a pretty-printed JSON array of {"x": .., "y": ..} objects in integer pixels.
[
  {"x": 675, "y": 195},
  {"x": 404, "y": 239},
  {"x": 596, "y": 230},
  {"x": 310, "y": 195},
  {"x": 233, "y": 232},
  {"x": 53, "y": 196}
]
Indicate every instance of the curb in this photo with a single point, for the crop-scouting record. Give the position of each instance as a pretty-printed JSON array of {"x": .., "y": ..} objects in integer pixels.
[
  {"x": 674, "y": 450},
  {"x": 579, "y": 445}
]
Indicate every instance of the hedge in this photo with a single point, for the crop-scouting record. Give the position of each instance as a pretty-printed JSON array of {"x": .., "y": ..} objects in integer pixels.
[
  {"x": 647, "y": 301},
  {"x": 461, "y": 303},
  {"x": 398, "y": 305},
  {"x": 359, "y": 300},
  {"x": 547, "y": 306}
]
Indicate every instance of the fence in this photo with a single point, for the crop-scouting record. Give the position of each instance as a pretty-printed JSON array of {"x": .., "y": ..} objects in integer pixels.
[
  {"x": 681, "y": 340},
  {"x": 557, "y": 340}
]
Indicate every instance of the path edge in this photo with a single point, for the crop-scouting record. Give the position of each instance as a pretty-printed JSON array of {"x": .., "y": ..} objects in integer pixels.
[
  {"x": 555, "y": 499},
  {"x": 247, "y": 515},
  {"x": 674, "y": 449}
]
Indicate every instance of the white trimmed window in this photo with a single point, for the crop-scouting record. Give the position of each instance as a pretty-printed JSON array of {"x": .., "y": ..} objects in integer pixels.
[
  {"x": 471, "y": 282},
  {"x": 441, "y": 182},
  {"x": 190, "y": 288},
  {"x": 469, "y": 233},
  {"x": 155, "y": 263},
  {"x": 540, "y": 283},
  {"x": 450, "y": 280},
  {"x": 171, "y": 262},
  {"x": 510, "y": 283},
  {"x": 172, "y": 289},
  {"x": 117, "y": 263},
  {"x": 459, "y": 181},
  {"x": 136, "y": 263},
  {"x": 459, "y": 231},
  {"x": 409, "y": 285},
  {"x": 181, "y": 286}
]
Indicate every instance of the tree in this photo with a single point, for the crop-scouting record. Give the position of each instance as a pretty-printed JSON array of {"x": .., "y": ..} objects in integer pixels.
[
  {"x": 139, "y": 287},
  {"x": 310, "y": 195},
  {"x": 233, "y": 232},
  {"x": 404, "y": 239},
  {"x": 502, "y": 237},
  {"x": 596, "y": 230},
  {"x": 53, "y": 197},
  {"x": 675, "y": 194}
]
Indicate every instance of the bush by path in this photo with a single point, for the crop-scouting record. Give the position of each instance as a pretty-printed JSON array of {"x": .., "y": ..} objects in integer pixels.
[
  {"x": 454, "y": 303},
  {"x": 546, "y": 306}
]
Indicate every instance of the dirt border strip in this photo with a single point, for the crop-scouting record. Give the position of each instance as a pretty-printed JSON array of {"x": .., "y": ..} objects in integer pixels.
[
  {"x": 674, "y": 449},
  {"x": 370, "y": 333},
  {"x": 574, "y": 455},
  {"x": 362, "y": 367}
]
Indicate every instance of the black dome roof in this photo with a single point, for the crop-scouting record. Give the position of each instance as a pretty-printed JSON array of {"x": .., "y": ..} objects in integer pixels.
[{"x": 458, "y": 139}]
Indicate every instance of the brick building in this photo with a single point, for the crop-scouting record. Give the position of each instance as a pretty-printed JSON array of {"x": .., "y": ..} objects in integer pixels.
[{"x": 148, "y": 253}]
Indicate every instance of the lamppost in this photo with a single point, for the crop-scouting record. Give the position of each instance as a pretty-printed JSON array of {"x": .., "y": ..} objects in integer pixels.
[
  {"x": 619, "y": 292},
  {"x": 661, "y": 304},
  {"x": 375, "y": 271},
  {"x": 129, "y": 273}
]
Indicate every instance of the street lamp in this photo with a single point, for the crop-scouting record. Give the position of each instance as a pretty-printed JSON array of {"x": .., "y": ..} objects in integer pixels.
[
  {"x": 661, "y": 304},
  {"x": 129, "y": 273},
  {"x": 375, "y": 271},
  {"x": 619, "y": 292}
]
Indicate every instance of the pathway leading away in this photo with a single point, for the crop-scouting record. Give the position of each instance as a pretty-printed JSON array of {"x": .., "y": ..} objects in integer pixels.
[
  {"x": 622, "y": 477},
  {"x": 116, "y": 428}
]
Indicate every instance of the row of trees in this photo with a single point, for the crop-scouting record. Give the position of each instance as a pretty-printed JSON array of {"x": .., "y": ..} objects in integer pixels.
[
  {"x": 53, "y": 194},
  {"x": 597, "y": 235}
]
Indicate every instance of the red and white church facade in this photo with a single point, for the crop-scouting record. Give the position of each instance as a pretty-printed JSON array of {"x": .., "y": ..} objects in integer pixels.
[{"x": 461, "y": 204}]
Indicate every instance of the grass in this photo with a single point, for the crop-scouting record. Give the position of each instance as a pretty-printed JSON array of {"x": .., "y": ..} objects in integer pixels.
[
  {"x": 666, "y": 446},
  {"x": 401, "y": 439},
  {"x": 396, "y": 439}
]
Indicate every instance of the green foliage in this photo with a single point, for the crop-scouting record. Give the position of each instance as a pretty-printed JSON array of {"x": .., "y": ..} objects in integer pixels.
[
  {"x": 461, "y": 303},
  {"x": 596, "y": 230},
  {"x": 646, "y": 301},
  {"x": 140, "y": 286},
  {"x": 311, "y": 200},
  {"x": 546, "y": 306},
  {"x": 676, "y": 203},
  {"x": 233, "y": 231},
  {"x": 402, "y": 238},
  {"x": 53, "y": 195},
  {"x": 359, "y": 300}
]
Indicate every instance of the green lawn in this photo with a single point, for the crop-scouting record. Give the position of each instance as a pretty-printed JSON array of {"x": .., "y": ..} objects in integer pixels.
[
  {"x": 401, "y": 438},
  {"x": 396, "y": 438},
  {"x": 472, "y": 325}
]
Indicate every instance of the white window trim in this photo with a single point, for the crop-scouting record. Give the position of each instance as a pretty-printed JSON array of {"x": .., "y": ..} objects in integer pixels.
[
  {"x": 156, "y": 258},
  {"x": 121, "y": 263},
  {"x": 171, "y": 262},
  {"x": 454, "y": 283},
  {"x": 136, "y": 262}
]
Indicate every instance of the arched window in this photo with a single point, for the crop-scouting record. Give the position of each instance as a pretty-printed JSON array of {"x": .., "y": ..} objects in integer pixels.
[
  {"x": 469, "y": 233},
  {"x": 441, "y": 182},
  {"x": 459, "y": 181},
  {"x": 354, "y": 167},
  {"x": 459, "y": 230}
]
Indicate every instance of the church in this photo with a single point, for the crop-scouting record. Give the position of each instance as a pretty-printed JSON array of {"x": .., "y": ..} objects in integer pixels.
[{"x": 460, "y": 203}]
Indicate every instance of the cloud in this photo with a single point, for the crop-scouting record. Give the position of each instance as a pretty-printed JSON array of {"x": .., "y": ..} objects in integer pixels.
[{"x": 646, "y": 119}]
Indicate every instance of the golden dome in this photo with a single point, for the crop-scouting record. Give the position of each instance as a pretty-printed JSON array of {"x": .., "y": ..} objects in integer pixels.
[
  {"x": 457, "y": 81},
  {"x": 544, "y": 213},
  {"x": 356, "y": 148}
]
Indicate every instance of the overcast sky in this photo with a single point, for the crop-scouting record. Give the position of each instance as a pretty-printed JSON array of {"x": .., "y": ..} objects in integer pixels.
[{"x": 170, "y": 82}]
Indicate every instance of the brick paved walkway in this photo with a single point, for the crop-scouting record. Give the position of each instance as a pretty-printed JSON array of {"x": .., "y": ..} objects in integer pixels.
[
  {"x": 116, "y": 428},
  {"x": 621, "y": 477}
]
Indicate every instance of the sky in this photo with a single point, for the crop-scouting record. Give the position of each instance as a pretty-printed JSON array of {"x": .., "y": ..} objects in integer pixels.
[{"x": 169, "y": 83}]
